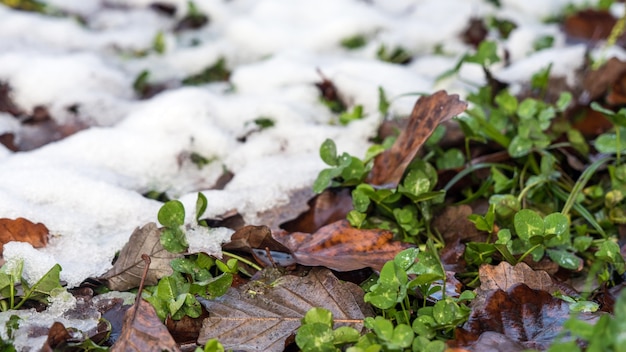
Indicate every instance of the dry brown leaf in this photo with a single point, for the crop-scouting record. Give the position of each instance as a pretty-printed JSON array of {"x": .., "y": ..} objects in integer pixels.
[
  {"x": 23, "y": 230},
  {"x": 127, "y": 271},
  {"x": 144, "y": 331},
  {"x": 428, "y": 112},
  {"x": 504, "y": 275},
  {"x": 341, "y": 247},
  {"x": 260, "y": 316}
]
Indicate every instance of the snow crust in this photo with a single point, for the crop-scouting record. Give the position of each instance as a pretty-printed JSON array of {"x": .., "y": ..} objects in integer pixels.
[{"x": 87, "y": 189}]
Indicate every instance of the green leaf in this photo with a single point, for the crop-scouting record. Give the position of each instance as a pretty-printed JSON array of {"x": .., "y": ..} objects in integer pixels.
[
  {"x": 564, "y": 100},
  {"x": 485, "y": 55},
  {"x": 506, "y": 102},
  {"x": 390, "y": 288},
  {"x": 565, "y": 259},
  {"x": 406, "y": 258},
  {"x": 383, "y": 102},
  {"x": 527, "y": 108},
  {"x": 619, "y": 322},
  {"x": 44, "y": 286},
  {"x": 328, "y": 152},
  {"x": 519, "y": 147},
  {"x": 219, "y": 285},
  {"x": 345, "y": 334},
  {"x": 607, "y": 143},
  {"x": 316, "y": 338},
  {"x": 174, "y": 240},
  {"x": 318, "y": 315},
  {"x": 555, "y": 223},
  {"x": 356, "y": 219},
  {"x": 506, "y": 205},
  {"x": 201, "y": 205},
  {"x": 528, "y": 224},
  {"x": 451, "y": 159},
  {"x": 323, "y": 180},
  {"x": 172, "y": 214},
  {"x": 402, "y": 336}
]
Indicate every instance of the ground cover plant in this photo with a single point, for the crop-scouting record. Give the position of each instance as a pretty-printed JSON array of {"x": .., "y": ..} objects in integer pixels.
[{"x": 495, "y": 221}]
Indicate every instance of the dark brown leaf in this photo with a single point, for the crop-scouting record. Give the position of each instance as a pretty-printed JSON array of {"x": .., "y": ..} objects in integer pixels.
[
  {"x": 341, "y": 247},
  {"x": 144, "y": 332},
  {"x": 597, "y": 82},
  {"x": 428, "y": 112},
  {"x": 325, "y": 208},
  {"x": 527, "y": 317},
  {"x": 259, "y": 316},
  {"x": 57, "y": 336},
  {"x": 23, "y": 230},
  {"x": 257, "y": 240},
  {"x": 127, "y": 270}
]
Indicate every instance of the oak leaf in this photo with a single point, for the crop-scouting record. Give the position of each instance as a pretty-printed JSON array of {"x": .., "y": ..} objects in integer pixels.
[
  {"x": 260, "y": 316},
  {"x": 23, "y": 230},
  {"x": 427, "y": 113},
  {"x": 127, "y": 271},
  {"x": 341, "y": 247}
]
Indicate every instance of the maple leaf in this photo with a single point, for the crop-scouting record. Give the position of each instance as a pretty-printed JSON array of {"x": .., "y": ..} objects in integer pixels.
[
  {"x": 127, "y": 271},
  {"x": 260, "y": 316}
]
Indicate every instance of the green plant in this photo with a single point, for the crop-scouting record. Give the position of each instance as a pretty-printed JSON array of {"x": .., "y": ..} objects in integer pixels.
[
  {"x": 348, "y": 116},
  {"x": 194, "y": 274},
  {"x": 218, "y": 72},
  {"x": 354, "y": 42},
  {"x": 15, "y": 290},
  {"x": 11, "y": 327},
  {"x": 316, "y": 332},
  {"x": 158, "y": 43}
]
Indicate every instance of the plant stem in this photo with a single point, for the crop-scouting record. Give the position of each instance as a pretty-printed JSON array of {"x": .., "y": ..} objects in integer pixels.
[{"x": 243, "y": 260}]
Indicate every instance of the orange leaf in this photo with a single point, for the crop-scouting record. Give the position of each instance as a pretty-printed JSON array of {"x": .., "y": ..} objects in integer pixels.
[
  {"x": 341, "y": 247},
  {"x": 23, "y": 230},
  {"x": 428, "y": 112}
]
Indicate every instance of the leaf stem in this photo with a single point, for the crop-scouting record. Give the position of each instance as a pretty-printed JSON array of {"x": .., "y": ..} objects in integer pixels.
[{"x": 243, "y": 260}]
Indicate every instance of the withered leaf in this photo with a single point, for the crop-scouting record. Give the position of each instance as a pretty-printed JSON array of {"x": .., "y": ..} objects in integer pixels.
[
  {"x": 260, "y": 316},
  {"x": 57, "y": 336},
  {"x": 341, "y": 247},
  {"x": 256, "y": 240},
  {"x": 127, "y": 271},
  {"x": 324, "y": 208},
  {"x": 143, "y": 331},
  {"x": 427, "y": 113},
  {"x": 504, "y": 275},
  {"x": 23, "y": 230},
  {"x": 528, "y": 317}
]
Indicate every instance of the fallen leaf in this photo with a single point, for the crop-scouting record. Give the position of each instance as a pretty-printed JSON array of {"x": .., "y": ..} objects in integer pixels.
[
  {"x": 297, "y": 204},
  {"x": 143, "y": 331},
  {"x": 57, "y": 336},
  {"x": 127, "y": 271},
  {"x": 589, "y": 24},
  {"x": 475, "y": 32},
  {"x": 598, "y": 82},
  {"x": 453, "y": 223},
  {"x": 330, "y": 94},
  {"x": 257, "y": 240},
  {"x": 261, "y": 316},
  {"x": 341, "y": 247},
  {"x": 504, "y": 276},
  {"x": 525, "y": 316},
  {"x": 23, "y": 230},
  {"x": 324, "y": 208},
  {"x": 427, "y": 113}
]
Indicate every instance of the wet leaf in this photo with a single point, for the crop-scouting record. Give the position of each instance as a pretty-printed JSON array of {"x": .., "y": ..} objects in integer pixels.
[
  {"x": 341, "y": 247},
  {"x": 127, "y": 270},
  {"x": 259, "y": 316},
  {"x": 518, "y": 316},
  {"x": 428, "y": 112},
  {"x": 256, "y": 240},
  {"x": 144, "y": 332},
  {"x": 327, "y": 207}
]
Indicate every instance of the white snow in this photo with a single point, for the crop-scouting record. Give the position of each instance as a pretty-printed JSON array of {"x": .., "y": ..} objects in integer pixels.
[{"x": 87, "y": 189}]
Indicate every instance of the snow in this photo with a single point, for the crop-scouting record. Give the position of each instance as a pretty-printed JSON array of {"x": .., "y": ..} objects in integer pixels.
[{"x": 87, "y": 188}]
